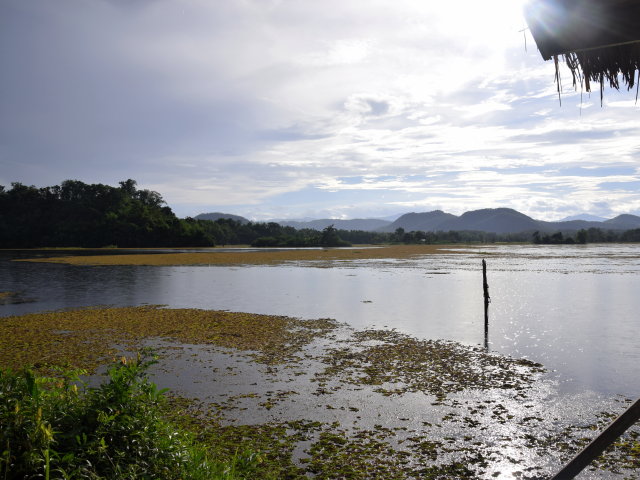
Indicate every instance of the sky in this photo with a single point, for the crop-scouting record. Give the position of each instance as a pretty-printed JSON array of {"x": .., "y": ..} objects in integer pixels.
[{"x": 289, "y": 109}]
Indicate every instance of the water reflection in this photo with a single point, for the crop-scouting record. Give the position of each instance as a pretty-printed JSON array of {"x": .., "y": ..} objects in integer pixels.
[{"x": 574, "y": 309}]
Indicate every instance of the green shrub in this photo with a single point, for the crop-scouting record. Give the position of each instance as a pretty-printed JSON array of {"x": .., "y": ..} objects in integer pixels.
[{"x": 58, "y": 427}]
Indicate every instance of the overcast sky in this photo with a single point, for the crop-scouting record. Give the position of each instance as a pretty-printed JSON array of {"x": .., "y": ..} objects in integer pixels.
[{"x": 307, "y": 108}]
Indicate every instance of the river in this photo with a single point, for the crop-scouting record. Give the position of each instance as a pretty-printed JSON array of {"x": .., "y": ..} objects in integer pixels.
[{"x": 572, "y": 308}]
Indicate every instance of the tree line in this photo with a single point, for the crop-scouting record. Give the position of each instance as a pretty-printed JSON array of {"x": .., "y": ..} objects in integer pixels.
[
  {"x": 591, "y": 235},
  {"x": 76, "y": 214},
  {"x": 232, "y": 232},
  {"x": 226, "y": 231}
]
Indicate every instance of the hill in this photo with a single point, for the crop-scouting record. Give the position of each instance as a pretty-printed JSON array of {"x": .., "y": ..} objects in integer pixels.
[
  {"x": 583, "y": 216},
  {"x": 496, "y": 220},
  {"x": 490, "y": 220},
  {"x": 213, "y": 216},
  {"x": 421, "y": 222},
  {"x": 623, "y": 222}
]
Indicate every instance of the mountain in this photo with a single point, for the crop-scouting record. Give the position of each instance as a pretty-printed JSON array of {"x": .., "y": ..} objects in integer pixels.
[
  {"x": 366, "y": 224},
  {"x": 583, "y": 216},
  {"x": 391, "y": 218},
  {"x": 623, "y": 222},
  {"x": 493, "y": 220},
  {"x": 570, "y": 226},
  {"x": 423, "y": 222},
  {"x": 213, "y": 216},
  {"x": 497, "y": 220},
  {"x": 502, "y": 220}
]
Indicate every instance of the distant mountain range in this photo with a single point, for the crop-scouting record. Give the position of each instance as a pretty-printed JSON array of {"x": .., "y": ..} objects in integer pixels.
[
  {"x": 502, "y": 220},
  {"x": 494, "y": 220},
  {"x": 583, "y": 216},
  {"x": 366, "y": 224}
]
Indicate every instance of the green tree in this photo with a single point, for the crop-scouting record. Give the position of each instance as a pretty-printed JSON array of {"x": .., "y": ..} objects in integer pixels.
[
  {"x": 581, "y": 236},
  {"x": 398, "y": 235},
  {"x": 329, "y": 238},
  {"x": 92, "y": 215}
]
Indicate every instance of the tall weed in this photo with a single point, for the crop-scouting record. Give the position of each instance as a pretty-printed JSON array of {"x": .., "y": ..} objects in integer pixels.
[{"x": 58, "y": 427}]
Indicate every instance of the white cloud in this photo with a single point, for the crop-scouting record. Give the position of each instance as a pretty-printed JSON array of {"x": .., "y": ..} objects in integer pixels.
[{"x": 242, "y": 104}]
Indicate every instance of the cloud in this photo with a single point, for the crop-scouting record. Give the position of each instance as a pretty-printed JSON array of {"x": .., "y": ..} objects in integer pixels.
[{"x": 243, "y": 106}]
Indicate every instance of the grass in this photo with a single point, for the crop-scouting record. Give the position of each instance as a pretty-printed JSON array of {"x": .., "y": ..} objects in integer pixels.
[
  {"x": 251, "y": 257},
  {"x": 57, "y": 427}
]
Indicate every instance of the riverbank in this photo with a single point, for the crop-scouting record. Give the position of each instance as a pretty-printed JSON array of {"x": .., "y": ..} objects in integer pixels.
[{"x": 317, "y": 398}]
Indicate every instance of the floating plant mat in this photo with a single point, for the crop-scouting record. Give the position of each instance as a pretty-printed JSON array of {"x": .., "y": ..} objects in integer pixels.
[
  {"x": 252, "y": 257},
  {"x": 86, "y": 337},
  {"x": 315, "y": 420},
  {"x": 398, "y": 363},
  {"x": 320, "y": 400}
]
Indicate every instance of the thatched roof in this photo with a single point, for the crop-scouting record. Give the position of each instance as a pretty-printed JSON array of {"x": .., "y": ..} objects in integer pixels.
[{"x": 599, "y": 39}]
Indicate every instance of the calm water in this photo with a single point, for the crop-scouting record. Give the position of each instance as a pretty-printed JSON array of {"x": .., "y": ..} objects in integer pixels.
[{"x": 574, "y": 309}]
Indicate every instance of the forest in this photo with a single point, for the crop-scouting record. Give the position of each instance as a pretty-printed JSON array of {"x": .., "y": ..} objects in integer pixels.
[{"x": 76, "y": 214}]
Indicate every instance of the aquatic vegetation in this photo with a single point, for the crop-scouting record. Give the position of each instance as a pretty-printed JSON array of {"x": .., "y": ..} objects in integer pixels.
[
  {"x": 275, "y": 442},
  {"x": 398, "y": 363},
  {"x": 310, "y": 407},
  {"x": 621, "y": 457},
  {"x": 87, "y": 337},
  {"x": 251, "y": 257},
  {"x": 333, "y": 451},
  {"x": 479, "y": 435},
  {"x": 60, "y": 428}
]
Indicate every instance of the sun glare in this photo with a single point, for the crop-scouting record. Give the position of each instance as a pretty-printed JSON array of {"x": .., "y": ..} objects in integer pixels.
[{"x": 487, "y": 23}]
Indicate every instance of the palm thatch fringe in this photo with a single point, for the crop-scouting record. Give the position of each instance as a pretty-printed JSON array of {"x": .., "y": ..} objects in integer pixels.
[
  {"x": 598, "y": 39},
  {"x": 613, "y": 65}
]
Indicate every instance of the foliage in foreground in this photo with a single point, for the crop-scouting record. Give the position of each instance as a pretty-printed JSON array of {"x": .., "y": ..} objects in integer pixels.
[{"x": 50, "y": 428}]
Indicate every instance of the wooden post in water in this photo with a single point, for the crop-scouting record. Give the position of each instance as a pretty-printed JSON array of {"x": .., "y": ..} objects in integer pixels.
[
  {"x": 487, "y": 299},
  {"x": 600, "y": 443}
]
